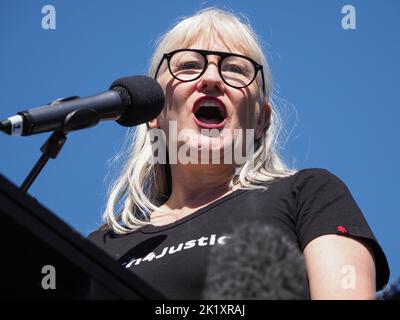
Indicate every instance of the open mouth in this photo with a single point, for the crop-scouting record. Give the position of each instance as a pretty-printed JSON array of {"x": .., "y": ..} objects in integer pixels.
[{"x": 209, "y": 112}]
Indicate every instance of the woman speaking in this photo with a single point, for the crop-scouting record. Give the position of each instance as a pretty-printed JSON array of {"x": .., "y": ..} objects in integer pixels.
[{"x": 209, "y": 163}]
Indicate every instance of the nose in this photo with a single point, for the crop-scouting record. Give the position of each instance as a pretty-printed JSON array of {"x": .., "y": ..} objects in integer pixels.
[{"x": 211, "y": 79}]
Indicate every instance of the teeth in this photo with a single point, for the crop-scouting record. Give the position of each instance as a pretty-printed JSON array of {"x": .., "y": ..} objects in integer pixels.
[{"x": 209, "y": 104}]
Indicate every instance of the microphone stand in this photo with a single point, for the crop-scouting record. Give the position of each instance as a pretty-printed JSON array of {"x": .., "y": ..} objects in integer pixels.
[
  {"x": 78, "y": 119},
  {"x": 50, "y": 149}
]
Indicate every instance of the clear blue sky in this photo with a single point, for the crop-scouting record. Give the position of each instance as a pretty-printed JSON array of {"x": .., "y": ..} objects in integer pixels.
[{"x": 339, "y": 91}]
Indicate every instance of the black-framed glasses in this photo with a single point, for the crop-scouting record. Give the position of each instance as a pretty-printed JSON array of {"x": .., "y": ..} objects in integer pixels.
[{"x": 235, "y": 70}]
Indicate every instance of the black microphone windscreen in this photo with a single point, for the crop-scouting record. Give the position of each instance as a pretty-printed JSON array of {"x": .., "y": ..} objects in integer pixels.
[
  {"x": 142, "y": 97},
  {"x": 256, "y": 262}
]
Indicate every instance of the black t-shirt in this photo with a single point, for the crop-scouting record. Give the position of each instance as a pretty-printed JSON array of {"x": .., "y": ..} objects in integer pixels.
[{"x": 173, "y": 258}]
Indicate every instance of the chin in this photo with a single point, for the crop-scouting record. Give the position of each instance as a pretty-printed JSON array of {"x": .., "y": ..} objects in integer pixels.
[{"x": 213, "y": 150}]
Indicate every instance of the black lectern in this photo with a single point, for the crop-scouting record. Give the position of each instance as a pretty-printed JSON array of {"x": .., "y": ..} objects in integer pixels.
[{"x": 32, "y": 240}]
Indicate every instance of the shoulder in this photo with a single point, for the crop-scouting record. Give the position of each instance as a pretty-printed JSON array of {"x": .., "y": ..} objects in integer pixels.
[
  {"x": 309, "y": 175},
  {"x": 309, "y": 180},
  {"x": 106, "y": 236},
  {"x": 316, "y": 179},
  {"x": 99, "y": 236},
  {"x": 314, "y": 174}
]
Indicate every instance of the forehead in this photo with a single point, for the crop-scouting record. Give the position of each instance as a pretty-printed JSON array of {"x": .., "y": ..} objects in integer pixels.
[{"x": 216, "y": 44}]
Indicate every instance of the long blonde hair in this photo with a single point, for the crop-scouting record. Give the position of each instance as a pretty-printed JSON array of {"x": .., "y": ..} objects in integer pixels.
[{"x": 143, "y": 186}]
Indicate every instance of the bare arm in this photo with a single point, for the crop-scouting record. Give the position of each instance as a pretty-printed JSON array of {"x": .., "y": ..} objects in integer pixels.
[{"x": 339, "y": 267}]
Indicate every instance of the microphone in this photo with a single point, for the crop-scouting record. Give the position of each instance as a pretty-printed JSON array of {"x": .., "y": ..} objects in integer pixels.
[
  {"x": 391, "y": 292},
  {"x": 130, "y": 101},
  {"x": 256, "y": 263}
]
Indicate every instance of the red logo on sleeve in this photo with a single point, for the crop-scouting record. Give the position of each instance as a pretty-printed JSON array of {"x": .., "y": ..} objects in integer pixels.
[{"x": 342, "y": 229}]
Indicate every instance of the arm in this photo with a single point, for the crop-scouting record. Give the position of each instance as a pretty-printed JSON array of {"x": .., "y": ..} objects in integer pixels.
[{"x": 339, "y": 267}]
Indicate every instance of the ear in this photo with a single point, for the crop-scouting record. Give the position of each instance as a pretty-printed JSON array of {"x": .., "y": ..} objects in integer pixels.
[
  {"x": 264, "y": 120},
  {"x": 153, "y": 124}
]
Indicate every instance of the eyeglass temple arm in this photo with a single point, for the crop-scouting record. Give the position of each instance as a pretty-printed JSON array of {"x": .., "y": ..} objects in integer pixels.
[
  {"x": 262, "y": 77},
  {"x": 159, "y": 65}
]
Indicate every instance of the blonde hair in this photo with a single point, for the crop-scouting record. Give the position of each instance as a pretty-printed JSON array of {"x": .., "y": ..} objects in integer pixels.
[{"x": 143, "y": 186}]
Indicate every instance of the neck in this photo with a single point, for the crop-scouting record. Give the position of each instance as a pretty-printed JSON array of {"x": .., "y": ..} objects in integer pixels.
[{"x": 194, "y": 186}]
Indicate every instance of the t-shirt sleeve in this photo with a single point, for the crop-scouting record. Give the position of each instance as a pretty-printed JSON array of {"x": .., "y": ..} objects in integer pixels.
[{"x": 324, "y": 205}]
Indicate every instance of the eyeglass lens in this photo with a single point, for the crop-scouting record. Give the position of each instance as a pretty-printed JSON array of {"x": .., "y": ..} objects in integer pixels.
[{"x": 236, "y": 71}]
